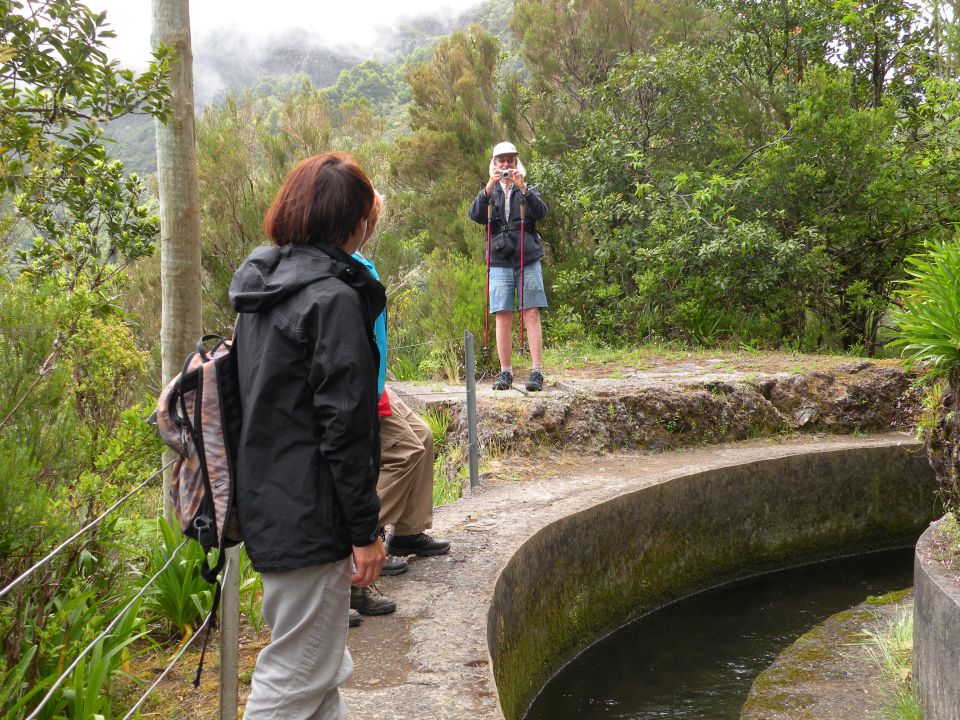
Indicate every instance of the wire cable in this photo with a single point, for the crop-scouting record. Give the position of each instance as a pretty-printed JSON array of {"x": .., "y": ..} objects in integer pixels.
[
  {"x": 432, "y": 394},
  {"x": 166, "y": 671},
  {"x": 428, "y": 342},
  {"x": 82, "y": 530},
  {"x": 103, "y": 634}
]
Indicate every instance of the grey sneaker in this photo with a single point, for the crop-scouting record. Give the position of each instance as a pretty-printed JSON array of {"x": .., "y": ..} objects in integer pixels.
[
  {"x": 504, "y": 381},
  {"x": 535, "y": 381}
]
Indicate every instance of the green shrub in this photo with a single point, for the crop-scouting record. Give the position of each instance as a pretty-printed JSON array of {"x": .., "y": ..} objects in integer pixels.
[
  {"x": 438, "y": 420},
  {"x": 890, "y": 646},
  {"x": 427, "y": 322},
  {"x": 927, "y": 332},
  {"x": 180, "y": 595},
  {"x": 445, "y": 490},
  {"x": 89, "y": 694},
  {"x": 251, "y": 592},
  {"x": 442, "y": 363},
  {"x": 72, "y": 442},
  {"x": 927, "y": 321},
  {"x": 75, "y": 619}
]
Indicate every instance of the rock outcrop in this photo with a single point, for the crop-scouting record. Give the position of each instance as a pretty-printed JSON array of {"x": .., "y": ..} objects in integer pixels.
[{"x": 651, "y": 413}]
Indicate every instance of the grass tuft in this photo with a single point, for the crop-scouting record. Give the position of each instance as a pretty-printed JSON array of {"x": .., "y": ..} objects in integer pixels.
[{"x": 891, "y": 647}]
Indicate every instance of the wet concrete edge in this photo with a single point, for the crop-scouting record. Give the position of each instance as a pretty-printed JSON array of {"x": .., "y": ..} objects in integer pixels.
[
  {"x": 936, "y": 633},
  {"x": 589, "y": 572}
]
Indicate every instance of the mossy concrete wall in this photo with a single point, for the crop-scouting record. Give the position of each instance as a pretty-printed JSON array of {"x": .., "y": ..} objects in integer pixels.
[
  {"x": 588, "y": 573},
  {"x": 936, "y": 632}
]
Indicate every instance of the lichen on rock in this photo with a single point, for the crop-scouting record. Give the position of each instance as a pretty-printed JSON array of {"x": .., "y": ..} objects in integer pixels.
[{"x": 596, "y": 416}]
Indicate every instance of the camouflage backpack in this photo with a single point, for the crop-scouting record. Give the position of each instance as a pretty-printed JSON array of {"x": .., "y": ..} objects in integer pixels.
[{"x": 198, "y": 416}]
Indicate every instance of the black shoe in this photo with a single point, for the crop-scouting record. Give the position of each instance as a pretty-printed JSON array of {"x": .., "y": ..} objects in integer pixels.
[
  {"x": 419, "y": 544},
  {"x": 394, "y": 566},
  {"x": 535, "y": 381},
  {"x": 364, "y": 603},
  {"x": 355, "y": 619},
  {"x": 504, "y": 381}
]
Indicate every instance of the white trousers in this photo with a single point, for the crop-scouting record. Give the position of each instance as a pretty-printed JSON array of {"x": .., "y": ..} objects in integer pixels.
[{"x": 299, "y": 673}]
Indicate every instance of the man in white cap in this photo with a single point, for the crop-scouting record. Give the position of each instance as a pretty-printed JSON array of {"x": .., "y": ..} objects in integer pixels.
[{"x": 506, "y": 190}]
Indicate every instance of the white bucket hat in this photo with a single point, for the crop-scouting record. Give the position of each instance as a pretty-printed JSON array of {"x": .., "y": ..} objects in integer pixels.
[{"x": 507, "y": 148}]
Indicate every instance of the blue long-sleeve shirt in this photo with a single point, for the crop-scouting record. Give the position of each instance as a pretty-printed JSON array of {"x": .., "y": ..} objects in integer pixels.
[{"x": 379, "y": 329}]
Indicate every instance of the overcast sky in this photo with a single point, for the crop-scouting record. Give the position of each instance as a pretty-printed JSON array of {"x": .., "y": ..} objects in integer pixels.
[{"x": 334, "y": 23}]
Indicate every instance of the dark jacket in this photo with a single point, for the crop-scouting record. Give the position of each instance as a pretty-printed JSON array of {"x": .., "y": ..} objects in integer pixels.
[
  {"x": 505, "y": 237},
  {"x": 309, "y": 450}
]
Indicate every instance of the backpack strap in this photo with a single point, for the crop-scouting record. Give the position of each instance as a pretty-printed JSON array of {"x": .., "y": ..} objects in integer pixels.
[
  {"x": 209, "y": 573},
  {"x": 211, "y": 621},
  {"x": 202, "y": 345}
]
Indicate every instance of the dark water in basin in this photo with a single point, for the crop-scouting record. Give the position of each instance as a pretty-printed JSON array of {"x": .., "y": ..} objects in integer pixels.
[{"x": 699, "y": 657}]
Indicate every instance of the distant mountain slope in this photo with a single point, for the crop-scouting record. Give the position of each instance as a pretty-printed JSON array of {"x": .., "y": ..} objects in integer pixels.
[{"x": 229, "y": 62}]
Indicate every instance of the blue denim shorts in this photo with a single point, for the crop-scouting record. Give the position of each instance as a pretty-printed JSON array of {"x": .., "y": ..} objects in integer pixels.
[{"x": 505, "y": 288}]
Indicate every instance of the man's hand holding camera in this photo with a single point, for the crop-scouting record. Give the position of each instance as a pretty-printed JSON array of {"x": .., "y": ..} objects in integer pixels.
[{"x": 507, "y": 175}]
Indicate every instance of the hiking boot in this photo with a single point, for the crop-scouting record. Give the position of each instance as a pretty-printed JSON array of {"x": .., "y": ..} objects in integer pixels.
[
  {"x": 366, "y": 604},
  {"x": 504, "y": 381},
  {"x": 394, "y": 566},
  {"x": 535, "y": 381},
  {"x": 355, "y": 619},
  {"x": 419, "y": 544}
]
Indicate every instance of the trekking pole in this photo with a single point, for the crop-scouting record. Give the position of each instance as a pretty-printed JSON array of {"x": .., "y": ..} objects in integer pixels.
[
  {"x": 486, "y": 295},
  {"x": 523, "y": 207}
]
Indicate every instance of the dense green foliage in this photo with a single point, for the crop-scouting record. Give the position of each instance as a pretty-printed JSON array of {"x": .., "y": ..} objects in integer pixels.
[
  {"x": 180, "y": 596},
  {"x": 73, "y": 442},
  {"x": 72, "y": 377},
  {"x": 716, "y": 172},
  {"x": 757, "y": 188},
  {"x": 57, "y": 88}
]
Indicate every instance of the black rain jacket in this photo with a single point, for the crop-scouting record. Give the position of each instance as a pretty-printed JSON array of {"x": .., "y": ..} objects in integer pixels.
[
  {"x": 505, "y": 236},
  {"x": 309, "y": 451}
]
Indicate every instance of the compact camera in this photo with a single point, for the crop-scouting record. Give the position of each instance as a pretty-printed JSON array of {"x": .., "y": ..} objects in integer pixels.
[{"x": 505, "y": 173}]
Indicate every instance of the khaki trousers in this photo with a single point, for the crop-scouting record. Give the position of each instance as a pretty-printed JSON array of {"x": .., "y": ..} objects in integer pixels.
[{"x": 405, "y": 485}]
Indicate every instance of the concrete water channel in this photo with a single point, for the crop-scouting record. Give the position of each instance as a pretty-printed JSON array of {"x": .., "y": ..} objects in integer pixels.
[{"x": 543, "y": 566}]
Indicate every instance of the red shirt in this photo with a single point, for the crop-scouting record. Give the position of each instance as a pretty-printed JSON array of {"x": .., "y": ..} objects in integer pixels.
[{"x": 384, "y": 406}]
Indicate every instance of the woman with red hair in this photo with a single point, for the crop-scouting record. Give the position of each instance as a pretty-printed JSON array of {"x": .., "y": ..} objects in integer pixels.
[{"x": 309, "y": 452}]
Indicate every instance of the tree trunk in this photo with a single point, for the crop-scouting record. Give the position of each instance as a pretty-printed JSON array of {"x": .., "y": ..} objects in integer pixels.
[{"x": 181, "y": 314}]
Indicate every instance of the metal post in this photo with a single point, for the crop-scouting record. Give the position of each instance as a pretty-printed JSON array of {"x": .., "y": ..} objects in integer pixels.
[
  {"x": 230, "y": 636},
  {"x": 470, "y": 362}
]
